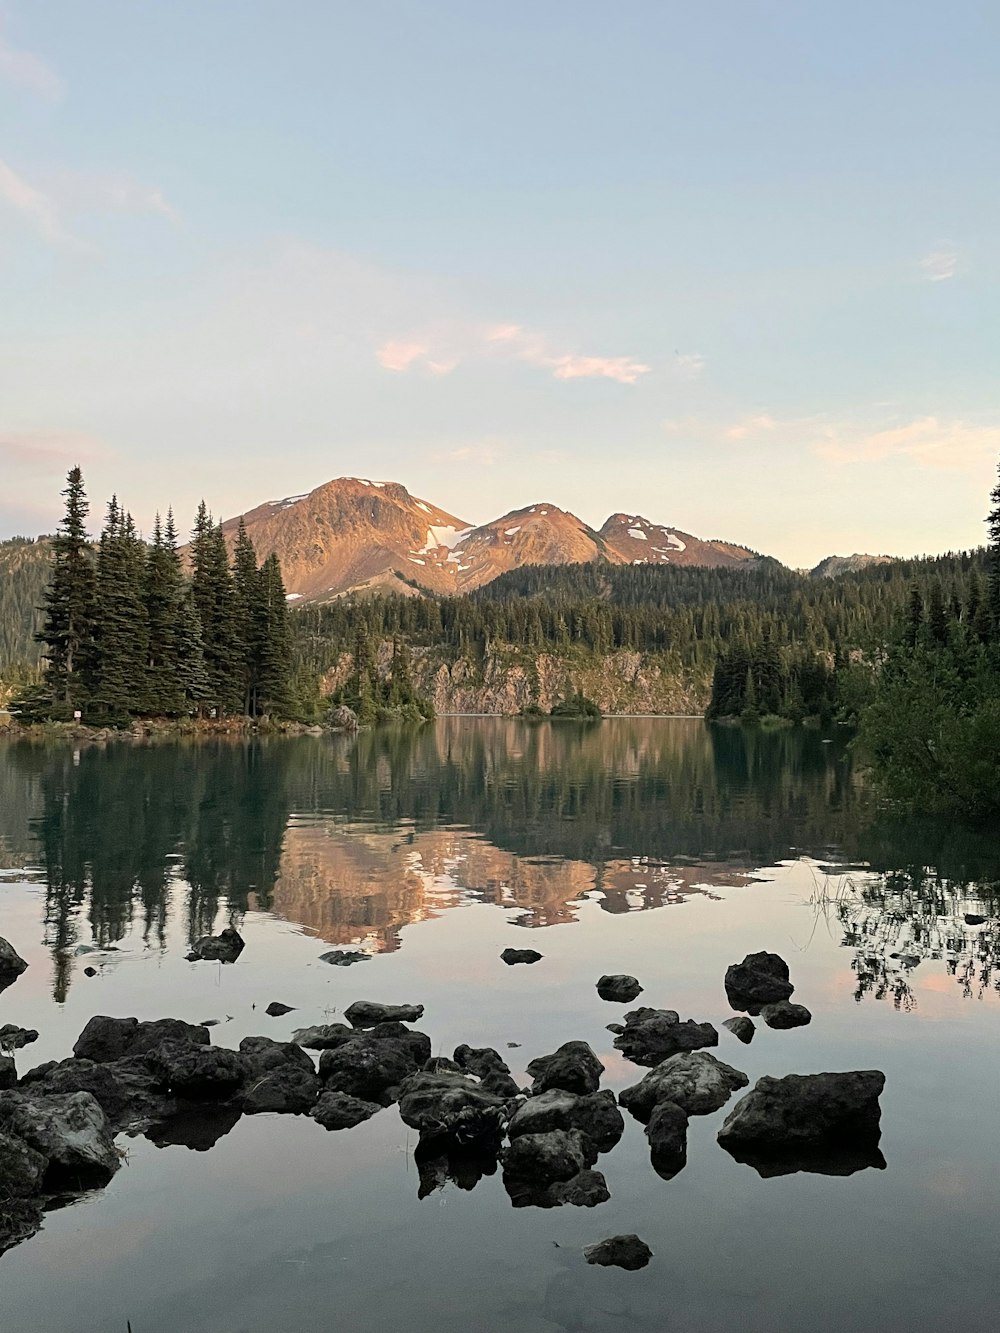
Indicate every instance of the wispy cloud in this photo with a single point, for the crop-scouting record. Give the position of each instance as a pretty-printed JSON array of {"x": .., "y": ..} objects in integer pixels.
[
  {"x": 443, "y": 351},
  {"x": 688, "y": 365},
  {"x": 25, "y": 70},
  {"x": 941, "y": 263},
  {"x": 927, "y": 441}
]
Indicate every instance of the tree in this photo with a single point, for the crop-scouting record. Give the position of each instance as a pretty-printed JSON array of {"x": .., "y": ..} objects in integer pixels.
[
  {"x": 274, "y": 654},
  {"x": 993, "y": 558},
  {"x": 121, "y": 629},
  {"x": 68, "y": 629},
  {"x": 212, "y": 591}
]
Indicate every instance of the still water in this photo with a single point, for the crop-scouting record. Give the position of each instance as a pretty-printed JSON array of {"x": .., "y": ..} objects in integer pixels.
[{"x": 662, "y": 848}]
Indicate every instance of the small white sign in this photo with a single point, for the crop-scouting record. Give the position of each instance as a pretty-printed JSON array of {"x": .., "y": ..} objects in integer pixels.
[{"x": 77, "y": 715}]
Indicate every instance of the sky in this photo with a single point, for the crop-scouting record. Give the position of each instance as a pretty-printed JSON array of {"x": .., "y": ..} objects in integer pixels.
[{"x": 733, "y": 265}]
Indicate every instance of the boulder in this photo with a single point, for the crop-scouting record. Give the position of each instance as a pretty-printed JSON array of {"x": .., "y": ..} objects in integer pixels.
[
  {"x": 22, "y": 1169},
  {"x": 12, "y": 1038},
  {"x": 20, "y": 1218},
  {"x": 8, "y": 1072},
  {"x": 807, "y": 1109},
  {"x": 619, "y": 1252},
  {"x": 131, "y": 1091},
  {"x": 70, "y": 1131},
  {"x": 369, "y": 1068},
  {"x": 262, "y": 1056},
  {"x": 286, "y": 1090},
  {"x": 488, "y": 1066},
  {"x": 694, "y": 1080},
  {"x": 574, "y": 1067},
  {"x": 339, "y": 1110},
  {"x": 106, "y": 1038},
  {"x": 452, "y": 1106},
  {"x": 343, "y": 718},
  {"x": 225, "y": 947},
  {"x": 785, "y": 1015},
  {"x": 762, "y": 978},
  {"x": 210, "y": 1073},
  {"x": 975, "y": 919},
  {"x": 540, "y": 1159},
  {"x": 667, "y": 1135},
  {"x": 276, "y": 1009},
  {"x": 620, "y": 989},
  {"x": 324, "y": 1036},
  {"x": 652, "y": 1035},
  {"x": 585, "y": 1190},
  {"x": 11, "y": 963},
  {"x": 512, "y": 956},
  {"x": 595, "y": 1115},
  {"x": 741, "y": 1027},
  {"x": 368, "y": 1014},
  {"x": 344, "y": 957}
]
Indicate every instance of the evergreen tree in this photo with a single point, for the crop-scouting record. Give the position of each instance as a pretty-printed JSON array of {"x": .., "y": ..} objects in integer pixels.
[
  {"x": 68, "y": 628},
  {"x": 937, "y": 614},
  {"x": 273, "y": 639},
  {"x": 249, "y": 620},
  {"x": 993, "y": 557},
  {"x": 165, "y": 595},
  {"x": 118, "y": 689},
  {"x": 212, "y": 590}
]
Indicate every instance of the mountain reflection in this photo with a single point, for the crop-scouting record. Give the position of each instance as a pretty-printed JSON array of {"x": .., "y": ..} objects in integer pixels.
[{"x": 356, "y": 837}]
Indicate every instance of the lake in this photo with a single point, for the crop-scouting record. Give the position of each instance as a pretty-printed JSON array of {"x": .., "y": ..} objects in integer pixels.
[{"x": 666, "y": 849}]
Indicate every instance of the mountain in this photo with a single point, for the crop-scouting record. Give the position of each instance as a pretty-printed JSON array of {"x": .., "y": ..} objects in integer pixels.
[
  {"x": 356, "y": 535},
  {"x": 834, "y": 565}
]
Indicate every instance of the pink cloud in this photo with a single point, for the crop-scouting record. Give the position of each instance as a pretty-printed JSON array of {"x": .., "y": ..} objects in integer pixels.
[{"x": 398, "y": 355}]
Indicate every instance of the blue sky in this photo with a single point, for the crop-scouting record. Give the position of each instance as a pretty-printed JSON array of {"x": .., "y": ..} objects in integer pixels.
[{"x": 733, "y": 265}]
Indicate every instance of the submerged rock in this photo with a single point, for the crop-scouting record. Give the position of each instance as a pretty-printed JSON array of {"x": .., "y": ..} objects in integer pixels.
[
  {"x": 344, "y": 957},
  {"x": 70, "y": 1131},
  {"x": 619, "y": 988},
  {"x": 276, "y": 1009},
  {"x": 694, "y": 1080},
  {"x": 105, "y": 1039},
  {"x": 653, "y": 1035},
  {"x": 13, "y": 1038},
  {"x": 574, "y": 1067},
  {"x": 339, "y": 1110},
  {"x": 585, "y": 1190},
  {"x": 667, "y": 1135},
  {"x": 619, "y": 1252},
  {"x": 368, "y": 1013},
  {"x": 762, "y": 978},
  {"x": 741, "y": 1027},
  {"x": 785, "y": 1015},
  {"x": 225, "y": 947},
  {"x": 512, "y": 956},
  {"x": 11, "y": 964}
]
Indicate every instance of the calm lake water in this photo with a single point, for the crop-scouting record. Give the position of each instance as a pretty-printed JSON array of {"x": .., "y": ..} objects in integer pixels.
[{"x": 662, "y": 848}]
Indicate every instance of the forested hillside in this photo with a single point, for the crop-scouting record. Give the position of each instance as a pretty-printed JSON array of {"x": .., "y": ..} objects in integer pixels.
[{"x": 24, "y": 573}]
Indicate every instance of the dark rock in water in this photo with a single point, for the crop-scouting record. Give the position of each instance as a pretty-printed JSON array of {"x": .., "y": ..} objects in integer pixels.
[
  {"x": 275, "y": 1009},
  {"x": 694, "y": 1080},
  {"x": 344, "y": 957},
  {"x": 339, "y": 1110},
  {"x": 286, "y": 1090},
  {"x": 440, "y": 1064},
  {"x": 594, "y": 1115},
  {"x": 70, "y": 1131},
  {"x": 762, "y": 978},
  {"x": 106, "y": 1038},
  {"x": 19, "y": 1218},
  {"x": 822, "y": 1158},
  {"x": 782, "y": 1115},
  {"x": 452, "y": 1106},
  {"x": 667, "y": 1135},
  {"x": 619, "y": 1252},
  {"x": 131, "y": 1091},
  {"x": 574, "y": 1067},
  {"x": 225, "y": 947},
  {"x": 324, "y": 1036},
  {"x": 8, "y": 1072},
  {"x": 344, "y": 718},
  {"x": 196, "y": 1126},
  {"x": 619, "y": 988},
  {"x": 974, "y": 919},
  {"x": 90, "y": 971},
  {"x": 369, "y": 1068},
  {"x": 489, "y": 1066},
  {"x": 367, "y": 1013},
  {"x": 22, "y": 1169},
  {"x": 652, "y": 1035},
  {"x": 201, "y": 1072},
  {"x": 584, "y": 1190},
  {"x": 262, "y": 1055},
  {"x": 741, "y": 1027},
  {"x": 785, "y": 1015},
  {"x": 512, "y": 956},
  {"x": 541, "y": 1159},
  {"x": 616, "y": 1028},
  {"x": 440, "y": 1161},
  {"x": 11, "y": 964},
  {"x": 13, "y": 1038},
  {"x": 417, "y": 1043}
]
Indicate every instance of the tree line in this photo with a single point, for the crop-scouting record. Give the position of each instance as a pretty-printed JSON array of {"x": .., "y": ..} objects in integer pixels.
[{"x": 127, "y": 634}]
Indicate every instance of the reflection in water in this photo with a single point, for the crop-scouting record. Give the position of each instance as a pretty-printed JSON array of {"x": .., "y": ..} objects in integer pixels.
[{"x": 356, "y": 837}]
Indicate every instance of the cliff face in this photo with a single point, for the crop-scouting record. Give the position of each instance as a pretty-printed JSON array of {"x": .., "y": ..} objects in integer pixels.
[{"x": 506, "y": 683}]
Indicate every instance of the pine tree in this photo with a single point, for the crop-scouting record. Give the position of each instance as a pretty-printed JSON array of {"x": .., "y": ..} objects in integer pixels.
[
  {"x": 937, "y": 614},
  {"x": 68, "y": 628},
  {"x": 993, "y": 558},
  {"x": 165, "y": 595},
  {"x": 273, "y": 637},
  {"x": 248, "y": 619},
  {"x": 121, "y": 633},
  {"x": 212, "y": 590},
  {"x": 914, "y": 617}
]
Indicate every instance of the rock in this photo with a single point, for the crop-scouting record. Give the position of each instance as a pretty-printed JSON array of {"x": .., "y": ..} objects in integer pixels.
[
  {"x": 974, "y": 919},
  {"x": 225, "y": 947},
  {"x": 653, "y": 1035},
  {"x": 90, "y": 971},
  {"x": 585, "y": 1190},
  {"x": 344, "y": 957},
  {"x": 441, "y": 1064},
  {"x": 210, "y": 1073},
  {"x": 11, "y": 964},
  {"x": 574, "y": 1067},
  {"x": 106, "y": 1038},
  {"x": 619, "y": 988},
  {"x": 667, "y": 1135},
  {"x": 694, "y": 1080},
  {"x": 616, "y": 1028},
  {"x": 339, "y": 1110},
  {"x": 619, "y": 1252},
  {"x": 19, "y": 1218},
  {"x": 70, "y": 1131},
  {"x": 12, "y": 1038},
  {"x": 22, "y": 1169},
  {"x": 262, "y": 1055},
  {"x": 344, "y": 718},
  {"x": 490, "y": 1067},
  {"x": 417, "y": 1043},
  {"x": 131, "y": 1091},
  {"x": 286, "y": 1090},
  {"x": 367, "y": 1013},
  {"x": 324, "y": 1036},
  {"x": 369, "y": 1068},
  {"x": 198, "y": 1126},
  {"x": 8, "y": 1072},
  {"x": 512, "y": 956},
  {"x": 785, "y": 1015},
  {"x": 454, "y": 1107},
  {"x": 807, "y": 1110},
  {"x": 741, "y": 1027},
  {"x": 275, "y": 1009},
  {"x": 594, "y": 1115},
  {"x": 762, "y": 978},
  {"x": 540, "y": 1159}
]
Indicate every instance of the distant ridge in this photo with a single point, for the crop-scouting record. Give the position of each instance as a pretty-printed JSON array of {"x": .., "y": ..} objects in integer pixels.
[{"x": 834, "y": 565}]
